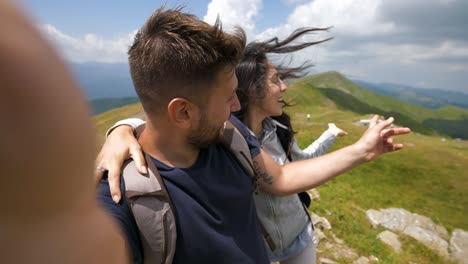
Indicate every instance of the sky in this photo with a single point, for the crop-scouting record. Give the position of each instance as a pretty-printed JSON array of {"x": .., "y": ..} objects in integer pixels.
[{"x": 421, "y": 43}]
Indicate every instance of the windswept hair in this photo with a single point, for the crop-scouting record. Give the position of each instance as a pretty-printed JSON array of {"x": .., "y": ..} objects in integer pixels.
[
  {"x": 175, "y": 54},
  {"x": 252, "y": 72}
]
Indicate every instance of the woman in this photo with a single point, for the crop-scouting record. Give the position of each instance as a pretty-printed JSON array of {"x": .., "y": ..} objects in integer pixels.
[{"x": 260, "y": 91}]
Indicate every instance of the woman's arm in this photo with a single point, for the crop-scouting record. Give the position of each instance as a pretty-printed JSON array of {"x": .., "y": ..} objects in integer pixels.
[
  {"x": 302, "y": 175},
  {"x": 120, "y": 145},
  {"x": 320, "y": 146}
]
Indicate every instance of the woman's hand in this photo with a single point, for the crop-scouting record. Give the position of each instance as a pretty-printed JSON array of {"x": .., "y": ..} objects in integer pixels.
[
  {"x": 120, "y": 145},
  {"x": 377, "y": 139},
  {"x": 338, "y": 132}
]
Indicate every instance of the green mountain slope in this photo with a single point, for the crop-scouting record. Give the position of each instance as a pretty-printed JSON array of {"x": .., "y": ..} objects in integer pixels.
[
  {"x": 430, "y": 98},
  {"x": 105, "y": 120},
  {"x": 450, "y": 120},
  {"x": 105, "y": 104},
  {"x": 427, "y": 177}
]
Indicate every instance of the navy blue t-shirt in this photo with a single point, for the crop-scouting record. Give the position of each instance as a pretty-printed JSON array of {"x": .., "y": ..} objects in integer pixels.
[{"x": 214, "y": 209}]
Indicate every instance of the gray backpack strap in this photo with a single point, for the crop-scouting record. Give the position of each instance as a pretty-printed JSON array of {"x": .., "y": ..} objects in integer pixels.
[
  {"x": 153, "y": 212},
  {"x": 236, "y": 143}
]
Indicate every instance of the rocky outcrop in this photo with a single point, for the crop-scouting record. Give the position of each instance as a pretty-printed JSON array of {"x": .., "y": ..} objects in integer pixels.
[
  {"x": 320, "y": 224},
  {"x": 314, "y": 194},
  {"x": 416, "y": 226},
  {"x": 459, "y": 246},
  {"x": 399, "y": 220},
  {"x": 391, "y": 239},
  {"x": 422, "y": 229}
]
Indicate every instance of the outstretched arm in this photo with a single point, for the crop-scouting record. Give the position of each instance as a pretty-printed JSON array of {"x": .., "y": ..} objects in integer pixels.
[
  {"x": 40, "y": 157},
  {"x": 320, "y": 146},
  {"x": 281, "y": 180},
  {"x": 303, "y": 175}
]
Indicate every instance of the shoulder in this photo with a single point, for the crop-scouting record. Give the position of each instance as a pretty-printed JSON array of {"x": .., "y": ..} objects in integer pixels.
[
  {"x": 253, "y": 143},
  {"x": 119, "y": 210}
]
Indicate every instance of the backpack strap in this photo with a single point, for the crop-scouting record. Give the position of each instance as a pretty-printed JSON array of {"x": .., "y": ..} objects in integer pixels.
[
  {"x": 236, "y": 143},
  {"x": 152, "y": 210}
]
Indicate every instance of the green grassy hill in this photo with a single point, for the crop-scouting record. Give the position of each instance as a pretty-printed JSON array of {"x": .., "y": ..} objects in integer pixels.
[
  {"x": 105, "y": 104},
  {"x": 428, "y": 177},
  {"x": 450, "y": 120}
]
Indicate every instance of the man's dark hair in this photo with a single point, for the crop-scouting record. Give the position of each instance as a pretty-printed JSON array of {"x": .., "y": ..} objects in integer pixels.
[{"x": 175, "y": 54}]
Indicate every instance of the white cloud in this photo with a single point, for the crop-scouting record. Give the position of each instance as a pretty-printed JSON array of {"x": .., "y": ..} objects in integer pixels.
[
  {"x": 347, "y": 17},
  {"x": 91, "y": 47},
  {"x": 374, "y": 39},
  {"x": 415, "y": 53},
  {"x": 234, "y": 12}
]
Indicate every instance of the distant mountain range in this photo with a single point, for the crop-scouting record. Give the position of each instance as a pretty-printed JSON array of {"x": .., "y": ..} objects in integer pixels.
[
  {"x": 109, "y": 86},
  {"x": 103, "y": 80},
  {"x": 430, "y": 98},
  {"x": 347, "y": 95}
]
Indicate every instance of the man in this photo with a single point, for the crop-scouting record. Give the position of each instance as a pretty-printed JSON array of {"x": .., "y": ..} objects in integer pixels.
[
  {"x": 43, "y": 220},
  {"x": 183, "y": 72}
]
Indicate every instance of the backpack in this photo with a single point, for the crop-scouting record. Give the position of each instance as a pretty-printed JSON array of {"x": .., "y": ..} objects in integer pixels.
[{"x": 151, "y": 205}]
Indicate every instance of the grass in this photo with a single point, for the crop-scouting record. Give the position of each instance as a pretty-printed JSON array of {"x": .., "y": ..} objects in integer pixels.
[{"x": 107, "y": 119}]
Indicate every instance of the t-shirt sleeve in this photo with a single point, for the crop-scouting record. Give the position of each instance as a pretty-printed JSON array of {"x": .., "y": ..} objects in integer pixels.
[
  {"x": 132, "y": 122},
  {"x": 122, "y": 215},
  {"x": 253, "y": 143}
]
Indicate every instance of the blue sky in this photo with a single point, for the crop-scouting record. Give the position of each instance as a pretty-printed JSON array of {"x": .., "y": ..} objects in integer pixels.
[{"x": 421, "y": 43}]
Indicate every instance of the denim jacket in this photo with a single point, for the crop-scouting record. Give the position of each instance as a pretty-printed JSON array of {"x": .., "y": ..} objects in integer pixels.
[{"x": 283, "y": 216}]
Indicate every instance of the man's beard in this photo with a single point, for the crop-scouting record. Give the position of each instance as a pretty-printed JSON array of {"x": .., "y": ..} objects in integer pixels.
[{"x": 206, "y": 134}]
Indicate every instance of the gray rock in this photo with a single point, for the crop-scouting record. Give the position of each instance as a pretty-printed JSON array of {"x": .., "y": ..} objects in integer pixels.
[
  {"x": 417, "y": 226},
  {"x": 361, "y": 260},
  {"x": 314, "y": 194},
  {"x": 319, "y": 235},
  {"x": 459, "y": 246},
  {"x": 390, "y": 239},
  {"x": 336, "y": 239},
  {"x": 391, "y": 218},
  {"x": 426, "y": 222},
  {"x": 320, "y": 222},
  {"x": 428, "y": 238},
  {"x": 327, "y": 261}
]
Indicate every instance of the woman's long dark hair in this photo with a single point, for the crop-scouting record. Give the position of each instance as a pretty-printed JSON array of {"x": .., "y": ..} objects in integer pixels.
[{"x": 252, "y": 74}]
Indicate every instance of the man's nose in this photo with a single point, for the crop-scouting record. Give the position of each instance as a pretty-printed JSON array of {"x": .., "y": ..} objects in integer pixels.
[{"x": 235, "y": 104}]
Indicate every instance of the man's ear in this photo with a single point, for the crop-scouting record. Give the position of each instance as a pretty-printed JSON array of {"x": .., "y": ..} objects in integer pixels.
[{"x": 182, "y": 112}]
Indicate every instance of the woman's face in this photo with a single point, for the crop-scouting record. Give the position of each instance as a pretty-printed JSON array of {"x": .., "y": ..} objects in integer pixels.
[{"x": 271, "y": 104}]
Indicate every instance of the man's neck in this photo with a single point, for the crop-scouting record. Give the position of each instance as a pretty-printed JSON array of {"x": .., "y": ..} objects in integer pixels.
[{"x": 168, "y": 146}]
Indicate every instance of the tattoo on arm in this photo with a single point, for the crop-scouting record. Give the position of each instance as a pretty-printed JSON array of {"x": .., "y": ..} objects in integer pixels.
[{"x": 262, "y": 174}]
